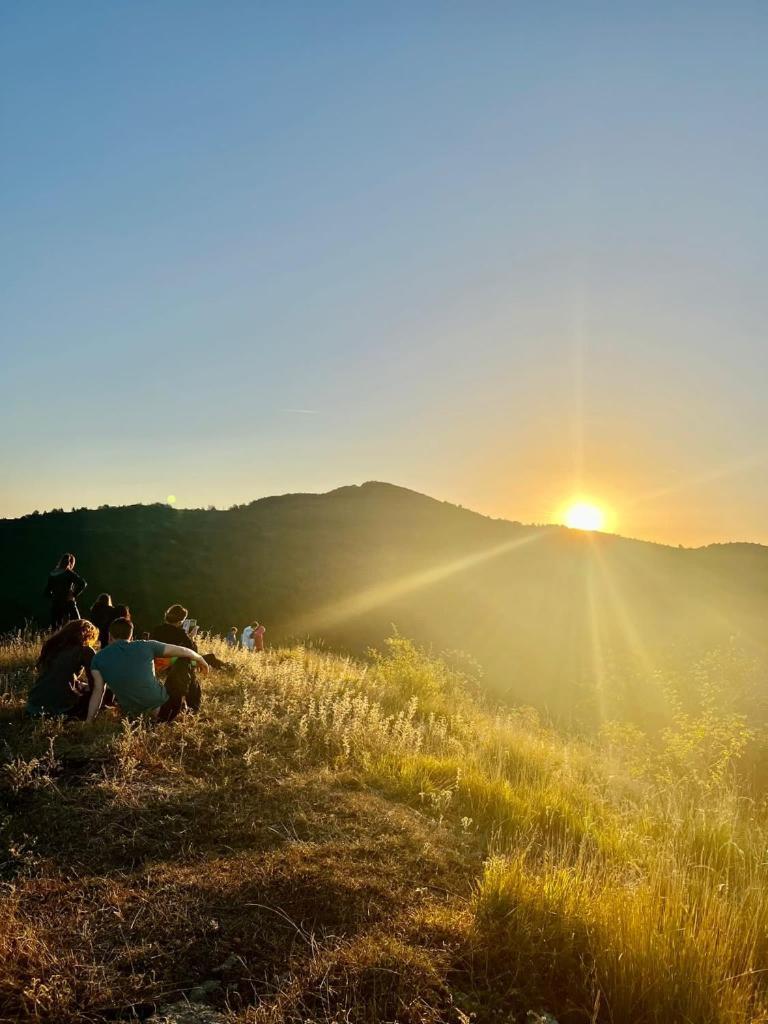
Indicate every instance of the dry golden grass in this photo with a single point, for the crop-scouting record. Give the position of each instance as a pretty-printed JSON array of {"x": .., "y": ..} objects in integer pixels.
[{"x": 337, "y": 841}]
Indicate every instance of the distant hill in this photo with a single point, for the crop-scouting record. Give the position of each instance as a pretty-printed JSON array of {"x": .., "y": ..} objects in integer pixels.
[{"x": 555, "y": 617}]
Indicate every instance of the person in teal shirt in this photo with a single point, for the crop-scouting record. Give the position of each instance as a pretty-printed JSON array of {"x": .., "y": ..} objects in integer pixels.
[{"x": 127, "y": 667}]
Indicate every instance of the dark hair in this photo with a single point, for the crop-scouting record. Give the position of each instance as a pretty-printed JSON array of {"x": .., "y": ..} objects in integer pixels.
[
  {"x": 254, "y": 625},
  {"x": 176, "y": 613},
  {"x": 102, "y": 601},
  {"x": 121, "y": 629},
  {"x": 122, "y": 611},
  {"x": 67, "y": 561},
  {"x": 78, "y": 633}
]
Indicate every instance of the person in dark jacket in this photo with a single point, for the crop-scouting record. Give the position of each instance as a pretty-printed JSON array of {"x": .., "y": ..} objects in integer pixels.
[
  {"x": 63, "y": 684},
  {"x": 63, "y": 588},
  {"x": 180, "y": 680},
  {"x": 103, "y": 614}
]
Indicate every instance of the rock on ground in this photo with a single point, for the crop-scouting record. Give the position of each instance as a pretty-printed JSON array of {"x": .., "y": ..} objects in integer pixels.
[{"x": 186, "y": 1013}]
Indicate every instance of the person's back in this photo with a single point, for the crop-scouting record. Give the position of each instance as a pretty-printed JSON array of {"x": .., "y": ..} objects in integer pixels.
[
  {"x": 62, "y": 584},
  {"x": 231, "y": 638},
  {"x": 246, "y": 638},
  {"x": 128, "y": 669},
  {"x": 63, "y": 587},
  {"x": 179, "y": 676},
  {"x": 103, "y": 613},
  {"x": 172, "y": 633},
  {"x": 258, "y": 636},
  {"x": 58, "y": 688}
]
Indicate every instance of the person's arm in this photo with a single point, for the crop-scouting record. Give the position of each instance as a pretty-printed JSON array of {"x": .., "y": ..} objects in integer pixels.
[
  {"x": 48, "y": 592},
  {"x": 96, "y": 696},
  {"x": 88, "y": 655},
  {"x": 174, "y": 651},
  {"x": 78, "y": 585}
]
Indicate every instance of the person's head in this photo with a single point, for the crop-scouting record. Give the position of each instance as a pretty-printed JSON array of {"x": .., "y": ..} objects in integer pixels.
[
  {"x": 121, "y": 629},
  {"x": 254, "y": 625},
  {"x": 67, "y": 561},
  {"x": 122, "y": 611},
  {"x": 103, "y": 601},
  {"x": 78, "y": 633},
  {"x": 176, "y": 614},
  {"x": 233, "y": 630}
]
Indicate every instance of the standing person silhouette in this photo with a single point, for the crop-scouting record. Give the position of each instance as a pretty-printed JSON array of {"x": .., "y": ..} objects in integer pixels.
[
  {"x": 257, "y": 637},
  {"x": 63, "y": 588}
]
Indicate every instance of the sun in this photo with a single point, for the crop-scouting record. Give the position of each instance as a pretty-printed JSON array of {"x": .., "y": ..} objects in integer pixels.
[{"x": 583, "y": 515}]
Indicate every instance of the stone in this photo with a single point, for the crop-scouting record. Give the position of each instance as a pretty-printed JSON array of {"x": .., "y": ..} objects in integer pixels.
[{"x": 185, "y": 1012}]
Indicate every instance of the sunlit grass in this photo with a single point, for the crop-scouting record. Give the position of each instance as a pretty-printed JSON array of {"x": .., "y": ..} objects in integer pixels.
[{"x": 621, "y": 880}]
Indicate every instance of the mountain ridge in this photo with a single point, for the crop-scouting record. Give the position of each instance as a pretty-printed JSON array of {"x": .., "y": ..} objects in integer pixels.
[
  {"x": 379, "y": 487},
  {"x": 546, "y": 611}
]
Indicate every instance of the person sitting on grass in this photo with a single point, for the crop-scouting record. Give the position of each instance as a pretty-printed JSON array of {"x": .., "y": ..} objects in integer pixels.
[
  {"x": 127, "y": 667},
  {"x": 63, "y": 684},
  {"x": 179, "y": 674},
  {"x": 102, "y": 613}
]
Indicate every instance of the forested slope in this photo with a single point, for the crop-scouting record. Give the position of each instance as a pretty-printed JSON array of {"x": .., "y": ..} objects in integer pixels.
[{"x": 547, "y": 612}]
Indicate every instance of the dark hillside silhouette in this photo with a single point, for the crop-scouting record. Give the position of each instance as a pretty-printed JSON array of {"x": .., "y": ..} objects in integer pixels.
[{"x": 548, "y": 613}]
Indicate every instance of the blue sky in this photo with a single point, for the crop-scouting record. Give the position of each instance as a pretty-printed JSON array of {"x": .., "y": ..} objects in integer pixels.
[{"x": 499, "y": 252}]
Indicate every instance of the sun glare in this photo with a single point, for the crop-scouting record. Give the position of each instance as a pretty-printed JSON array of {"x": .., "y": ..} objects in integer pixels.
[{"x": 582, "y": 515}]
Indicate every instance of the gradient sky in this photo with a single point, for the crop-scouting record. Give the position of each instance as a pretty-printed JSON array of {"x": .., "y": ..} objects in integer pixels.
[{"x": 502, "y": 253}]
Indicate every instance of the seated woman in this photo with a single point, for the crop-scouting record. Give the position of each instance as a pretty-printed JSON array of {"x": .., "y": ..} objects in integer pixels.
[
  {"x": 103, "y": 614},
  {"x": 63, "y": 684}
]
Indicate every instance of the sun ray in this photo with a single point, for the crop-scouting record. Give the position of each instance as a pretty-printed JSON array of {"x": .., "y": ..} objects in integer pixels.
[
  {"x": 596, "y": 645},
  {"x": 384, "y": 593},
  {"x": 721, "y": 472},
  {"x": 619, "y": 607}
]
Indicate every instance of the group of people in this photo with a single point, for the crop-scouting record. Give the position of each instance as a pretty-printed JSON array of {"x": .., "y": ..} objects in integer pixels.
[
  {"x": 63, "y": 589},
  {"x": 86, "y": 664},
  {"x": 251, "y": 639}
]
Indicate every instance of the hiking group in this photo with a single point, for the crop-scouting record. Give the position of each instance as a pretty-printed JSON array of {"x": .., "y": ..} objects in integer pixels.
[{"x": 154, "y": 676}]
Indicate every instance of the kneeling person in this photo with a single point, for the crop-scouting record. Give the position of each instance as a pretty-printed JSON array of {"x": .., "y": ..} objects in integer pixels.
[{"x": 127, "y": 667}]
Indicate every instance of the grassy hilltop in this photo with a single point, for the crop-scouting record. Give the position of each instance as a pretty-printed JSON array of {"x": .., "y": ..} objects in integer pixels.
[
  {"x": 363, "y": 841},
  {"x": 576, "y": 624}
]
